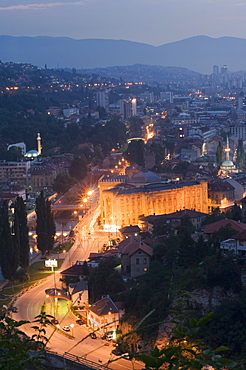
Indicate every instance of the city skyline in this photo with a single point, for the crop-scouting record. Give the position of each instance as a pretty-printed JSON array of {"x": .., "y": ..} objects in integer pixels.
[{"x": 154, "y": 22}]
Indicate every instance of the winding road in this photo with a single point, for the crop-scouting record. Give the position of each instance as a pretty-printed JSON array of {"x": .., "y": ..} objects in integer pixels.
[{"x": 30, "y": 303}]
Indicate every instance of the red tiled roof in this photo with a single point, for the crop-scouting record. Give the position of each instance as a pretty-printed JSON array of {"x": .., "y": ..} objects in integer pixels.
[
  {"x": 130, "y": 229},
  {"x": 104, "y": 306},
  {"x": 174, "y": 215},
  {"x": 132, "y": 245},
  {"x": 46, "y": 169},
  {"x": 76, "y": 270},
  {"x": 110, "y": 253},
  {"x": 240, "y": 236},
  {"x": 220, "y": 186},
  {"x": 215, "y": 226}
]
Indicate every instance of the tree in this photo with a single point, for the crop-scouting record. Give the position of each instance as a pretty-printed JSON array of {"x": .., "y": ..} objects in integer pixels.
[
  {"x": 224, "y": 233},
  {"x": 102, "y": 112},
  {"x": 21, "y": 231},
  {"x": 181, "y": 167},
  {"x": 78, "y": 169},
  {"x": 41, "y": 229},
  {"x": 63, "y": 183},
  {"x": 44, "y": 320},
  {"x": 18, "y": 351},
  {"x": 235, "y": 213},
  {"x": 136, "y": 124},
  {"x": 135, "y": 152},
  {"x": 169, "y": 145},
  {"x": 223, "y": 272},
  {"x": 45, "y": 224},
  {"x": 227, "y": 326},
  {"x": 161, "y": 227},
  {"x": 13, "y": 154},
  {"x": 184, "y": 350},
  {"x": 97, "y": 155},
  {"x": 159, "y": 151},
  {"x": 9, "y": 253},
  {"x": 104, "y": 280},
  {"x": 51, "y": 227},
  {"x": 216, "y": 215},
  {"x": 240, "y": 154},
  {"x": 219, "y": 154}
]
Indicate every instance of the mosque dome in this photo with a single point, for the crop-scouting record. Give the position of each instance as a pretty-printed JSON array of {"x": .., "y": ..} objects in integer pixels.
[
  {"x": 32, "y": 154},
  {"x": 227, "y": 163},
  {"x": 144, "y": 177}
]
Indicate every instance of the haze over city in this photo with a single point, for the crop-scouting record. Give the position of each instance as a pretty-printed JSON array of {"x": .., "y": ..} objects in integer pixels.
[{"x": 155, "y": 22}]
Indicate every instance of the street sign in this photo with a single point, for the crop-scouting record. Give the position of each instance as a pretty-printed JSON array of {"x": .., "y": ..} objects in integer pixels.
[{"x": 51, "y": 263}]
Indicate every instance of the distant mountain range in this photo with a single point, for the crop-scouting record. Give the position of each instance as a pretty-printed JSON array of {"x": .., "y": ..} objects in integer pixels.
[
  {"x": 198, "y": 53},
  {"x": 149, "y": 74}
]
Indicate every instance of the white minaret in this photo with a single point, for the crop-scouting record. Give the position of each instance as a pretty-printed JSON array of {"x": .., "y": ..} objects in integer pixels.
[
  {"x": 227, "y": 149},
  {"x": 39, "y": 144}
]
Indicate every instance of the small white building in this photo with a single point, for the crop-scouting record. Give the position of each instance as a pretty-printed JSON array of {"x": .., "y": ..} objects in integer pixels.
[
  {"x": 240, "y": 239},
  {"x": 237, "y": 244},
  {"x": 104, "y": 315},
  {"x": 21, "y": 145},
  {"x": 228, "y": 245}
]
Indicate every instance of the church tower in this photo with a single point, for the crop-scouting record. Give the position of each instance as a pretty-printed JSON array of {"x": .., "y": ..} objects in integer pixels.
[{"x": 39, "y": 144}]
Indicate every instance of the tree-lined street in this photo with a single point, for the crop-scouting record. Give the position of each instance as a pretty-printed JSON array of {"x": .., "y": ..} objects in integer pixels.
[{"x": 29, "y": 305}]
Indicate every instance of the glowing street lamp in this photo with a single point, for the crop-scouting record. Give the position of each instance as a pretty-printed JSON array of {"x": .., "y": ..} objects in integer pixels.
[{"x": 72, "y": 326}]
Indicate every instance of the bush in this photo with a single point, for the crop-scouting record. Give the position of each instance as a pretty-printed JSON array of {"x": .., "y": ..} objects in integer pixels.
[{"x": 21, "y": 275}]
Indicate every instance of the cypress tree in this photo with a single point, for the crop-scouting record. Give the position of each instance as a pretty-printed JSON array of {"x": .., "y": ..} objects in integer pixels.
[
  {"x": 9, "y": 254},
  {"x": 16, "y": 236},
  {"x": 45, "y": 224},
  {"x": 219, "y": 154},
  {"x": 41, "y": 223},
  {"x": 21, "y": 231},
  {"x": 51, "y": 227},
  {"x": 240, "y": 154}
]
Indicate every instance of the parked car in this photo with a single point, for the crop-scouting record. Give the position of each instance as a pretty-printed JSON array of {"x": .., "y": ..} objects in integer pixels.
[
  {"x": 109, "y": 335},
  {"x": 55, "y": 321},
  {"x": 93, "y": 336},
  {"x": 118, "y": 352},
  {"x": 80, "y": 322},
  {"x": 14, "y": 309},
  {"x": 66, "y": 328}
]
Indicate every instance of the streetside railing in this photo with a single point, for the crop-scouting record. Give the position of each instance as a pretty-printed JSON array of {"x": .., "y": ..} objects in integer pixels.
[{"x": 81, "y": 360}]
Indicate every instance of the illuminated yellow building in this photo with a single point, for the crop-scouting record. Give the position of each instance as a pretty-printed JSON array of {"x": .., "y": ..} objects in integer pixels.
[{"x": 124, "y": 199}]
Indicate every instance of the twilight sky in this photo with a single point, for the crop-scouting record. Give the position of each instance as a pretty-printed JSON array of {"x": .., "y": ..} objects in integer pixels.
[{"x": 154, "y": 22}]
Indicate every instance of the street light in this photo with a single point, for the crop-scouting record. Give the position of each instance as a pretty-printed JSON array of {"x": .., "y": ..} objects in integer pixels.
[{"x": 72, "y": 326}]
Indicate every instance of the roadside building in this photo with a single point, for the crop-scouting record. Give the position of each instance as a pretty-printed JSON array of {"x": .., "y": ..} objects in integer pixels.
[
  {"x": 124, "y": 201},
  {"x": 104, "y": 315},
  {"x": 78, "y": 271},
  {"x": 135, "y": 257},
  {"x": 240, "y": 243},
  {"x": 221, "y": 195},
  {"x": 216, "y": 226},
  {"x": 131, "y": 230},
  {"x": 173, "y": 219},
  {"x": 14, "y": 174}
]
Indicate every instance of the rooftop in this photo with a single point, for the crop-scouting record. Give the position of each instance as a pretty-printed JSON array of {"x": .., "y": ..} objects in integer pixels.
[
  {"x": 104, "y": 306},
  {"x": 215, "y": 226}
]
